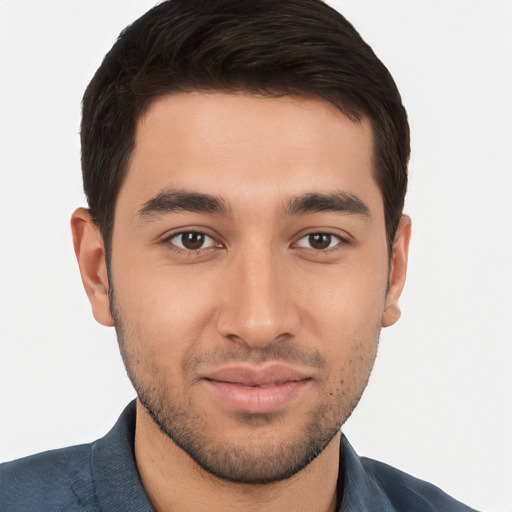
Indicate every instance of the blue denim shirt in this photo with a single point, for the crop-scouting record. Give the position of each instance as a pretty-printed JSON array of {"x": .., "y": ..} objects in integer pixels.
[{"x": 103, "y": 476}]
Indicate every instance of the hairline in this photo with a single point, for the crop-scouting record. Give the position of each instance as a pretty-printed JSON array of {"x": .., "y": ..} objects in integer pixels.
[{"x": 356, "y": 115}]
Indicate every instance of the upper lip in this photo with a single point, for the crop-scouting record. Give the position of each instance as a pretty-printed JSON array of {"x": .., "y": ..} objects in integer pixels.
[{"x": 262, "y": 375}]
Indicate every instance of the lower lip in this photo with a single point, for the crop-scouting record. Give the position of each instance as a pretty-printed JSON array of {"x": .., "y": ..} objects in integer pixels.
[{"x": 256, "y": 400}]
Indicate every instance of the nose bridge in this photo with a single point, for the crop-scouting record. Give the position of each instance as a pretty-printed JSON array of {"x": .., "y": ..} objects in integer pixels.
[{"x": 256, "y": 308}]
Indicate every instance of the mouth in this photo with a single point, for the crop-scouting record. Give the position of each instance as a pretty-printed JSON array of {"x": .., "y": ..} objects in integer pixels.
[{"x": 257, "y": 390}]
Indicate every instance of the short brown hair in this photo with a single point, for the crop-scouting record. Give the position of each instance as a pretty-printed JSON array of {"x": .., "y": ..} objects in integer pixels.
[{"x": 299, "y": 47}]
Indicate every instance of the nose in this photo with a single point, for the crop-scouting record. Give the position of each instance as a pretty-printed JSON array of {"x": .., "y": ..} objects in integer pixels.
[{"x": 258, "y": 308}]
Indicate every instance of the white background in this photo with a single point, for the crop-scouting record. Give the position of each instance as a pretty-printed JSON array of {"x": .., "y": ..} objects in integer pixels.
[{"x": 439, "y": 402}]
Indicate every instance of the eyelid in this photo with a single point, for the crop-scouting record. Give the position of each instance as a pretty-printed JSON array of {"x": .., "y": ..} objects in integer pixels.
[
  {"x": 206, "y": 244},
  {"x": 342, "y": 239},
  {"x": 168, "y": 241}
]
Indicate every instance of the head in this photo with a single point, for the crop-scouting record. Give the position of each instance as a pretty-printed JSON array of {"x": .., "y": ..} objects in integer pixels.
[
  {"x": 245, "y": 165},
  {"x": 294, "y": 47}
]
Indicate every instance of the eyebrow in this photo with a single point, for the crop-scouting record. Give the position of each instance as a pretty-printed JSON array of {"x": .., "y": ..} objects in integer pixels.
[
  {"x": 171, "y": 201},
  {"x": 338, "y": 202}
]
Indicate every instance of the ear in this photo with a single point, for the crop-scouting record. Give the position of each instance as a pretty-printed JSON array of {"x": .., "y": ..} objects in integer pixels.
[
  {"x": 397, "y": 272},
  {"x": 90, "y": 253}
]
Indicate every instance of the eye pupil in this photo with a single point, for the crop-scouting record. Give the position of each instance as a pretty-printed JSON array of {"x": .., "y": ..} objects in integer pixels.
[
  {"x": 192, "y": 240},
  {"x": 319, "y": 240}
]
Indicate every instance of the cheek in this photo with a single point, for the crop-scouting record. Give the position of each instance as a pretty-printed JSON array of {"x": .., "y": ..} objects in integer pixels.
[
  {"x": 345, "y": 316},
  {"x": 348, "y": 302},
  {"x": 163, "y": 311}
]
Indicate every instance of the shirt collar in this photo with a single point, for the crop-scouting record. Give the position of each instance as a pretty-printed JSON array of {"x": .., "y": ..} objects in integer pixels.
[
  {"x": 114, "y": 471},
  {"x": 118, "y": 485},
  {"x": 358, "y": 492}
]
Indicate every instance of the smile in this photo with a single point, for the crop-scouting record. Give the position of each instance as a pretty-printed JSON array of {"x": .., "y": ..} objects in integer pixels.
[{"x": 257, "y": 391}]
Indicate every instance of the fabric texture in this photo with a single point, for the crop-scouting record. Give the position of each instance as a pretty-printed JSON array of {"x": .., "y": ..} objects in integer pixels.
[{"x": 102, "y": 476}]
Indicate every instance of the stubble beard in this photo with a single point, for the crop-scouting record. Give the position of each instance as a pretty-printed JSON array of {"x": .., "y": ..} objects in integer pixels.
[
  {"x": 252, "y": 463},
  {"x": 257, "y": 461}
]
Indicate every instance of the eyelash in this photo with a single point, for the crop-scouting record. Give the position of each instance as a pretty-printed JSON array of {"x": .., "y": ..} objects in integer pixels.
[
  {"x": 183, "y": 250},
  {"x": 341, "y": 241},
  {"x": 191, "y": 252}
]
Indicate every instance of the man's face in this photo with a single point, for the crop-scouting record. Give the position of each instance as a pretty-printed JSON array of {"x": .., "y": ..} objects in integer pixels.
[{"x": 249, "y": 275}]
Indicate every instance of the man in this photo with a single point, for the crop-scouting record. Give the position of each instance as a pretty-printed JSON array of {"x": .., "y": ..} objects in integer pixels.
[{"x": 245, "y": 165}]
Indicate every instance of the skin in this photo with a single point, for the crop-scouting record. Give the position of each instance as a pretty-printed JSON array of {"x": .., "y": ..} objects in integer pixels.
[{"x": 259, "y": 292}]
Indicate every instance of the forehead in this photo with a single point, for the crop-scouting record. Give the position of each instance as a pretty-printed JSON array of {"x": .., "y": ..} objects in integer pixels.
[{"x": 248, "y": 147}]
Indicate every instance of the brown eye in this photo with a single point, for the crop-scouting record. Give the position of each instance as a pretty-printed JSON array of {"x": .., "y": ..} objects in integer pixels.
[
  {"x": 319, "y": 241},
  {"x": 192, "y": 240}
]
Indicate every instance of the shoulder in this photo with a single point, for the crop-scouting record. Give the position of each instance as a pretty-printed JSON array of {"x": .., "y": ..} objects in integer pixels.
[
  {"x": 54, "y": 480},
  {"x": 407, "y": 493}
]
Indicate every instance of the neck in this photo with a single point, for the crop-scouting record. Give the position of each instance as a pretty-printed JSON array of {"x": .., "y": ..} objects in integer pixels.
[{"x": 174, "y": 482}]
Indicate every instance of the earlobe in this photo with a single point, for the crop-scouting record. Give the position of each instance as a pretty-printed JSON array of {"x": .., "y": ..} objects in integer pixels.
[
  {"x": 398, "y": 271},
  {"x": 90, "y": 254}
]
